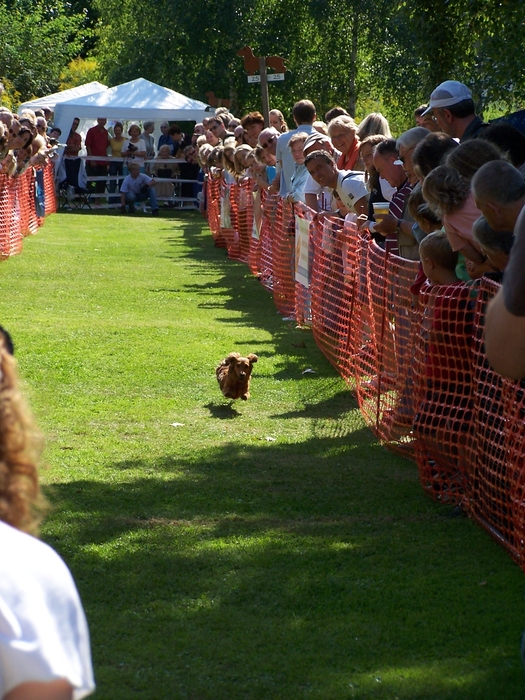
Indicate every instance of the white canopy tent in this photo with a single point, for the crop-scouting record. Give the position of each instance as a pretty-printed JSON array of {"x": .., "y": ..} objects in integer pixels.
[
  {"x": 138, "y": 100},
  {"x": 50, "y": 101}
]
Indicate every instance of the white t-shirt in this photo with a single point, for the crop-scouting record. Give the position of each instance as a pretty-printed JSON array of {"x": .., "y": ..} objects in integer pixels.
[
  {"x": 43, "y": 630},
  {"x": 139, "y": 146}
]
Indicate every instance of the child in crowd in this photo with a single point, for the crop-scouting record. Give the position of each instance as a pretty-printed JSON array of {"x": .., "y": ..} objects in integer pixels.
[
  {"x": 441, "y": 422},
  {"x": 137, "y": 187},
  {"x": 428, "y": 222},
  {"x": 298, "y": 179},
  {"x": 496, "y": 245},
  {"x": 449, "y": 195}
]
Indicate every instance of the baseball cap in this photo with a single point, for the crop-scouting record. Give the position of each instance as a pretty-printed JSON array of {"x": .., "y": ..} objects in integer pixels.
[
  {"x": 315, "y": 137},
  {"x": 447, "y": 94}
]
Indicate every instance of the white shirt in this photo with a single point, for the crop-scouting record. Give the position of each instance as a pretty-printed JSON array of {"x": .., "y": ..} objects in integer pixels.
[{"x": 43, "y": 630}]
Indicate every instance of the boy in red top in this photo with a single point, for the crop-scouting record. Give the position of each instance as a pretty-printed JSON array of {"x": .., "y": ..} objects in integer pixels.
[{"x": 443, "y": 416}]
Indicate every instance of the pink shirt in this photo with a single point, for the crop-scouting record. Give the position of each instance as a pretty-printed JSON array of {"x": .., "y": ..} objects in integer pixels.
[{"x": 458, "y": 225}]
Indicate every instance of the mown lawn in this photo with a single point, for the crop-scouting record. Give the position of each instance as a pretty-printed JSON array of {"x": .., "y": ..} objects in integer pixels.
[{"x": 266, "y": 550}]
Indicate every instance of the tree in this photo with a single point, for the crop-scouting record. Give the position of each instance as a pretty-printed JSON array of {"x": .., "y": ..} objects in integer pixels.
[{"x": 36, "y": 42}]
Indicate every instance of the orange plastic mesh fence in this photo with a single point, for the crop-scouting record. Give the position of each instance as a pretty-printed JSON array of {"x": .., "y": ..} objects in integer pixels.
[
  {"x": 26, "y": 198},
  {"x": 332, "y": 289},
  {"x": 442, "y": 390},
  {"x": 495, "y": 464},
  {"x": 268, "y": 224},
  {"x": 9, "y": 216},
  {"x": 18, "y": 216},
  {"x": 421, "y": 377},
  {"x": 254, "y": 255},
  {"x": 213, "y": 202},
  {"x": 244, "y": 198},
  {"x": 383, "y": 364},
  {"x": 49, "y": 189},
  {"x": 283, "y": 260},
  {"x": 303, "y": 294},
  {"x": 230, "y": 229}
]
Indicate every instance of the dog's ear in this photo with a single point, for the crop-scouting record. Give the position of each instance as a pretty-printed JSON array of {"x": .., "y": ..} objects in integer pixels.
[
  {"x": 253, "y": 358},
  {"x": 231, "y": 359}
]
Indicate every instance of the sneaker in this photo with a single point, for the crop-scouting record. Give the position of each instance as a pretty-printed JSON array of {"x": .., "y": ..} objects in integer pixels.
[{"x": 154, "y": 212}]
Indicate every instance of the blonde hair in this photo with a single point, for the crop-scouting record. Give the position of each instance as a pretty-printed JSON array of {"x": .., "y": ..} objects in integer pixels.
[
  {"x": 237, "y": 154},
  {"x": 445, "y": 190},
  {"x": 342, "y": 122},
  {"x": 21, "y": 503}
]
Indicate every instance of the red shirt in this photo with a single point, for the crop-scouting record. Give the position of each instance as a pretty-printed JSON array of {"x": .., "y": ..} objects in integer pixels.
[{"x": 97, "y": 141}]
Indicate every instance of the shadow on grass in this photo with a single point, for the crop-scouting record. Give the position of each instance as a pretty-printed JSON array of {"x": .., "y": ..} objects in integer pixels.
[
  {"x": 222, "y": 411},
  {"x": 287, "y": 571}
]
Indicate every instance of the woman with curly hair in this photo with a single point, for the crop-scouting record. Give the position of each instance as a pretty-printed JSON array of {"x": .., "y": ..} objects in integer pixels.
[{"x": 44, "y": 639}]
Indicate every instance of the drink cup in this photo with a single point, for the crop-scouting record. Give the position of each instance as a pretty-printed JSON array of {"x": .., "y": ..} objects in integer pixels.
[{"x": 381, "y": 209}]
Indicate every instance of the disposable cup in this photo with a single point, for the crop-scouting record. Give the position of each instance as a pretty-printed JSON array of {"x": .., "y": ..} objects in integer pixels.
[{"x": 381, "y": 210}]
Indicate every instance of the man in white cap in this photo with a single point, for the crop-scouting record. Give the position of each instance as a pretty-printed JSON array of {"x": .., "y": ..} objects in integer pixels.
[{"x": 453, "y": 108}]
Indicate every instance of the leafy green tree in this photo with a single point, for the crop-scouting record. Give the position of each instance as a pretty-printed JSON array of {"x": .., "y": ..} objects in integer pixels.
[{"x": 37, "y": 40}]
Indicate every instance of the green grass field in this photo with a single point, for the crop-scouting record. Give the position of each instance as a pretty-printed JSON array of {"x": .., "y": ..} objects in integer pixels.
[{"x": 266, "y": 550}]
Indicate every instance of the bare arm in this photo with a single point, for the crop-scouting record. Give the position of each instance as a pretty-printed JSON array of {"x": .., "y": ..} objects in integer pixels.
[
  {"x": 54, "y": 690},
  {"x": 311, "y": 201},
  {"x": 505, "y": 339}
]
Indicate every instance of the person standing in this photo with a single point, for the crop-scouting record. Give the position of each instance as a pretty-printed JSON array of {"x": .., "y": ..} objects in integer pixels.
[
  {"x": 44, "y": 640},
  {"x": 97, "y": 143}
]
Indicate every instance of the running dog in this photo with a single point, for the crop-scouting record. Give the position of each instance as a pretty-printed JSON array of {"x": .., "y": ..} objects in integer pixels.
[{"x": 233, "y": 375}]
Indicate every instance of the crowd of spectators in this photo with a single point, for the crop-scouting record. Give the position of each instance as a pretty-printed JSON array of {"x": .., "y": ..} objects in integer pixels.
[{"x": 446, "y": 192}]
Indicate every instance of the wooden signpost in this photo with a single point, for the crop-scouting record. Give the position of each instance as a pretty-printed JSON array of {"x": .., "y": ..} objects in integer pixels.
[{"x": 254, "y": 64}]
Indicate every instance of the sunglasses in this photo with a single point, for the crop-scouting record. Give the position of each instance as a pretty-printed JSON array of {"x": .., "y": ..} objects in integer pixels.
[
  {"x": 267, "y": 143},
  {"x": 214, "y": 127}
]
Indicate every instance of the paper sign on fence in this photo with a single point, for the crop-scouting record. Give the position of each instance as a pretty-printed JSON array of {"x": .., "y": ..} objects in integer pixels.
[{"x": 302, "y": 236}]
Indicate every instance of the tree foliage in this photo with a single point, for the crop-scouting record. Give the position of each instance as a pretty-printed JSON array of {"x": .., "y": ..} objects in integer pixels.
[
  {"x": 37, "y": 39},
  {"x": 357, "y": 53}
]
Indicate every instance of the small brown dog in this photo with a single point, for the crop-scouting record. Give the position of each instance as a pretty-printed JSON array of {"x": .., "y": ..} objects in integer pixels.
[{"x": 233, "y": 375}]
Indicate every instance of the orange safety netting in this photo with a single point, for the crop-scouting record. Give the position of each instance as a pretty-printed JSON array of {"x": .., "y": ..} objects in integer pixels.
[
  {"x": 229, "y": 219},
  {"x": 18, "y": 216},
  {"x": 283, "y": 247},
  {"x": 254, "y": 254},
  {"x": 421, "y": 377},
  {"x": 332, "y": 289},
  {"x": 268, "y": 225},
  {"x": 213, "y": 211}
]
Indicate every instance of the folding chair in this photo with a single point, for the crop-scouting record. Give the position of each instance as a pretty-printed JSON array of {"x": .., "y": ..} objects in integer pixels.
[{"x": 70, "y": 194}]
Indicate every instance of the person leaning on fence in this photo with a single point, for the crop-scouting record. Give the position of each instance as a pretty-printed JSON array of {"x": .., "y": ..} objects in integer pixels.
[
  {"x": 443, "y": 417},
  {"x": 298, "y": 179},
  {"x": 452, "y": 105},
  {"x": 499, "y": 193},
  {"x": 394, "y": 227},
  {"x": 318, "y": 198},
  {"x": 449, "y": 195},
  {"x": 350, "y": 185},
  {"x": 380, "y": 190},
  {"x": 253, "y": 124},
  {"x": 496, "y": 245},
  {"x": 137, "y": 187},
  {"x": 44, "y": 640},
  {"x": 304, "y": 115}
]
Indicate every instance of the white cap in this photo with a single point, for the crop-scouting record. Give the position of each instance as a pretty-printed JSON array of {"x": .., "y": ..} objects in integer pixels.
[{"x": 447, "y": 94}]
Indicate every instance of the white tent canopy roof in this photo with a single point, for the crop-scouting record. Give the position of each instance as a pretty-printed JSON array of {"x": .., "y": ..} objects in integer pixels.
[
  {"x": 137, "y": 100},
  {"x": 50, "y": 101}
]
